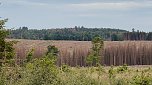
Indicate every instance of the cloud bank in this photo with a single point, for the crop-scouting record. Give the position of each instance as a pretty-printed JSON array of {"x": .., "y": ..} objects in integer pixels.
[{"x": 126, "y": 14}]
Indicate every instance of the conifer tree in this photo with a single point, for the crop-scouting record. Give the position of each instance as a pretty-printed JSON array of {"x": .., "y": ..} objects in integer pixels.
[
  {"x": 6, "y": 47},
  {"x": 95, "y": 55}
]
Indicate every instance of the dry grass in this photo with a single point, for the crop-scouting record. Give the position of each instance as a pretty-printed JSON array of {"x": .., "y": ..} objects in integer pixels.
[{"x": 74, "y": 52}]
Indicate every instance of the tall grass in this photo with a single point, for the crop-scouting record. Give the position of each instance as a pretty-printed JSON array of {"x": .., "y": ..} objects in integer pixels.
[{"x": 74, "y": 53}]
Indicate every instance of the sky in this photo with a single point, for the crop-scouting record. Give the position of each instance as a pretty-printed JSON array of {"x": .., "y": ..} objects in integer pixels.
[{"x": 46, "y": 14}]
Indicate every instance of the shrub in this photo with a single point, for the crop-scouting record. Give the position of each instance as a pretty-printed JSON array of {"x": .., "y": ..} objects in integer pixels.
[
  {"x": 65, "y": 68},
  {"x": 41, "y": 72},
  {"x": 143, "y": 79},
  {"x": 122, "y": 68},
  {"x": 29, "y": 56}
]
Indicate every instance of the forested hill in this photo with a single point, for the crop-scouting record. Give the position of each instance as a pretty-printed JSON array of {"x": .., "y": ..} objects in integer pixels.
[{"x": 76, "y": 33}]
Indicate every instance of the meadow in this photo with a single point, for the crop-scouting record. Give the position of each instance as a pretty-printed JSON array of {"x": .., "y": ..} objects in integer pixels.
[
  {"x": 40, "y": 73},
  {"x": 120, "y": 64}
]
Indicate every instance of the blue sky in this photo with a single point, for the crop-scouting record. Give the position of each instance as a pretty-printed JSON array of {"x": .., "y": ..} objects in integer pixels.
[{"x": 40, "y": 14}]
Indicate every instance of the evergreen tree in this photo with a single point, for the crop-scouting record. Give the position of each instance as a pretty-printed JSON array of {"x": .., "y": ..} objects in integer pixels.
[
  {"x": 29, "y": 56},
  {"x": 52, "y": 50},
  {"x": 6, "y": 47},
  {"x": 95, "y": 56}
]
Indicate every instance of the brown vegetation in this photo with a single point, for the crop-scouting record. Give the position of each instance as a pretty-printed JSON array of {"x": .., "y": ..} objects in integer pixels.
[{"x": 74, "y": 53}]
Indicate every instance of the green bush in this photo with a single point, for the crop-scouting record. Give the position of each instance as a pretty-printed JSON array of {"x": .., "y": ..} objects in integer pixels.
[
  {"x": 142, "y": 79},
  {"x": 122, "y": 68}
]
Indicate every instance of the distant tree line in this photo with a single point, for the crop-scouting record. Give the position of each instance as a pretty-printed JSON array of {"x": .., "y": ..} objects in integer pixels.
[
  {"x": 137, "y": 35},
  {"x": 77, "y": 33}
]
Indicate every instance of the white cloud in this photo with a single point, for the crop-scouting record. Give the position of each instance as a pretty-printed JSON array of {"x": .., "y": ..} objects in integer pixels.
[
  {"x": 119, "y": 5},
  {"x": 87, "y": 6},
  {"x": 23, "y": 2},
  {"x": 112, "y": 5}
]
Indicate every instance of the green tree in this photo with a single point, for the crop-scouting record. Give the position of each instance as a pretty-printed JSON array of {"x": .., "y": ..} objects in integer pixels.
[
  {"x": 53, "y": 50},
  {"x": 30, "y": 55},
  {"x": 95, "y": 56},
  {"x": 6, "y": 47}
]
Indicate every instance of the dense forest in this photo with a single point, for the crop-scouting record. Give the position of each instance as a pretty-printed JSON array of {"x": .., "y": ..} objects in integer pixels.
[
  {"x": 79, "y": 34},
  {"x": 76, "y": 33}
]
